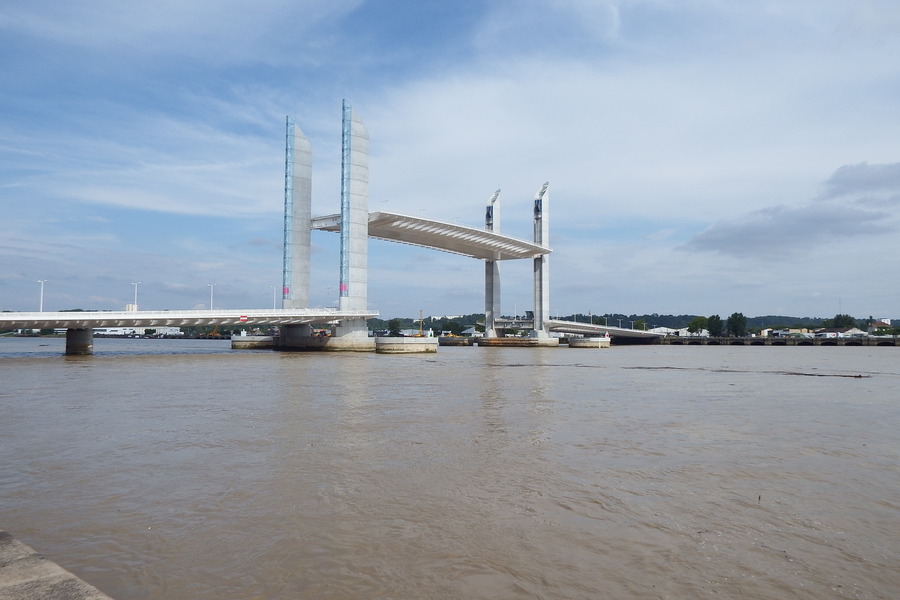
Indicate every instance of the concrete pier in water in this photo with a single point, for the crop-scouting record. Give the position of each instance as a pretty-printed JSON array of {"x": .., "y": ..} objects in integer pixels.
[{"x": 406, "y": 345}]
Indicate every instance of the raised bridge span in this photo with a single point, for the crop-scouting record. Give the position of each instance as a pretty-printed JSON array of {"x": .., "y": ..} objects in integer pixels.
[{"x": 440, "y": 235}]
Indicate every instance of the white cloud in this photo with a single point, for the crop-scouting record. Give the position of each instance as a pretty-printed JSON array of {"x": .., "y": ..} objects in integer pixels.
[
  {"x": 843, "y": 212},
  {"x": 232, "y": 31}
]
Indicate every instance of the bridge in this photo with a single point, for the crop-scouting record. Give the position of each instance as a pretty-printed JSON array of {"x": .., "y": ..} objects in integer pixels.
[
  {"x": 79, "y": 325},
  {"x": 356, "y": 225}
]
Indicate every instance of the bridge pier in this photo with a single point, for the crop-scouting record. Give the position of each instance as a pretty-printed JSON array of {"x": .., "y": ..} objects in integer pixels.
[
  {"x": 79, "y": 342},
  {"x": 349, "y": 335}
]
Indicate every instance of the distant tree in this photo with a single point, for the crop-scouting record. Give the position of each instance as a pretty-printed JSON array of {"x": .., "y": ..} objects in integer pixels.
[
  {"x": 394, "y": 327},
  {"x": 454, "y": 327},
  {"x": 737, "y": 325},
  {"x": 715, "y": 325},
  {"x": 840, "y": 321},
  {"x": 697, "y": 325}
]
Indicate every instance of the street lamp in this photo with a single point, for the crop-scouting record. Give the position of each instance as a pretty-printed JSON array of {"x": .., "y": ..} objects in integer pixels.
[
  {"x": 42, "y": 282},
  {"x": 135, "y": 284},
  {"x": 620, "y": 323},
  {"x": 212, "y": 287},
  {"x": 274, "y": 292}
]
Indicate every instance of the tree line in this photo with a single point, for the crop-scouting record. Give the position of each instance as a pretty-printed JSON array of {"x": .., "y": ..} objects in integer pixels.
[{"x": 736, "y": 325}]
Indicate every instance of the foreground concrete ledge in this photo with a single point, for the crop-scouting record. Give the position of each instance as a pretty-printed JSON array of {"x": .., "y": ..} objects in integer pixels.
[{"x": 26, "y": 575}]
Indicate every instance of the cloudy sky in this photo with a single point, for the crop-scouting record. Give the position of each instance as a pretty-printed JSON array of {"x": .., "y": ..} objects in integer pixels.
[{"x": 704, "y": 156}]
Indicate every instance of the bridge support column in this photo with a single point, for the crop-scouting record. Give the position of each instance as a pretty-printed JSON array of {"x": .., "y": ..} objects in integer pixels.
[
  {"x": 491, "y": 297},
  {"x": 297, "y": 217},
  {"x": 541, "y": 264},
  {"x": 79, "y": 342},
  {"x": 491, "y": 271},
  {"x": 354, "y": 212}
]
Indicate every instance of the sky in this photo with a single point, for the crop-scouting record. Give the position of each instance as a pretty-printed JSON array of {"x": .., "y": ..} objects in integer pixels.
[{"x": 704, "y": 156}]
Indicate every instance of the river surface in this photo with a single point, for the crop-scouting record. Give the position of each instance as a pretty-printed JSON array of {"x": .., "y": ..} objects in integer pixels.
[{"x": 178, "y": 469}]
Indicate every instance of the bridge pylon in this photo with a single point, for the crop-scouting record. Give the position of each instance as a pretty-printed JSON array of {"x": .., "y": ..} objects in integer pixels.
[
  {"x": 542, "y": 263},
  {"x": 540, "y": 334},
  {"x": 346, "y": 334},
  {"x": 491, "y": 270}
]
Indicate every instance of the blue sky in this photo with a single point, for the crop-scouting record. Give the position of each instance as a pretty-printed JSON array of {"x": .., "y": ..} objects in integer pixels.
[{"x": 704, "y": 156}]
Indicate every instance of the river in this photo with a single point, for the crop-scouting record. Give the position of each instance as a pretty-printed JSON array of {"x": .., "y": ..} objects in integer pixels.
[{"x": 179, "y": 469}]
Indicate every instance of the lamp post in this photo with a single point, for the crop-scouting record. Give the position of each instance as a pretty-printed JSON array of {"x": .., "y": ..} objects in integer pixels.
[
  {"x": 135, "y": 284},
  {"x": 274, "y": 293},
  {"x": 42, "y": 282},
  {"x": 212, "y": 287}
]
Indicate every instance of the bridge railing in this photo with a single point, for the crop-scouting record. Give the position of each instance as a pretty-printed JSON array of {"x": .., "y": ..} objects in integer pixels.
[{"x": 174, "y": 318}]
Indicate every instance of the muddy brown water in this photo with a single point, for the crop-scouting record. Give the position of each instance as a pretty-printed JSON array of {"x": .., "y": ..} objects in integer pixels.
[{"x": 174, "y": 469}]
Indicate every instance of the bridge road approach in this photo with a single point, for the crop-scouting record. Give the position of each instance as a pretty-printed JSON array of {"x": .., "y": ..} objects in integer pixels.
[
  {"x": 79, "y": 325},
  {"x": 587, "y": 329}
]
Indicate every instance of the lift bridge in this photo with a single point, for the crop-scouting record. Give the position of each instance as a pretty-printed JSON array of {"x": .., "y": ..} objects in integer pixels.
[{"x": 356, "y": 225}]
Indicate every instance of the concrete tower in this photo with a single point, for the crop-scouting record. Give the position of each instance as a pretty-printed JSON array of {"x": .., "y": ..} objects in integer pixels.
[
  {"x": 297, "y": 217},
  {"x": 541, "y": 263},
  {"x": 354, "y": 211},
  {"x": 352, "y": 333},
  {"x": 491, "y": 270}
]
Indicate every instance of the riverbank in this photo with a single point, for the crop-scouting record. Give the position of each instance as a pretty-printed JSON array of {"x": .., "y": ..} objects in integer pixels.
[
  {"x": 27, "y": 575},
  {"x": 778, "y": 341}
]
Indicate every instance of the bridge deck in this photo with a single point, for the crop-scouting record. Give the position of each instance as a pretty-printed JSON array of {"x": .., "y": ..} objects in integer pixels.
[
  {"x": 175, "y": 318},
  {"x": 438, "y": 235}
]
